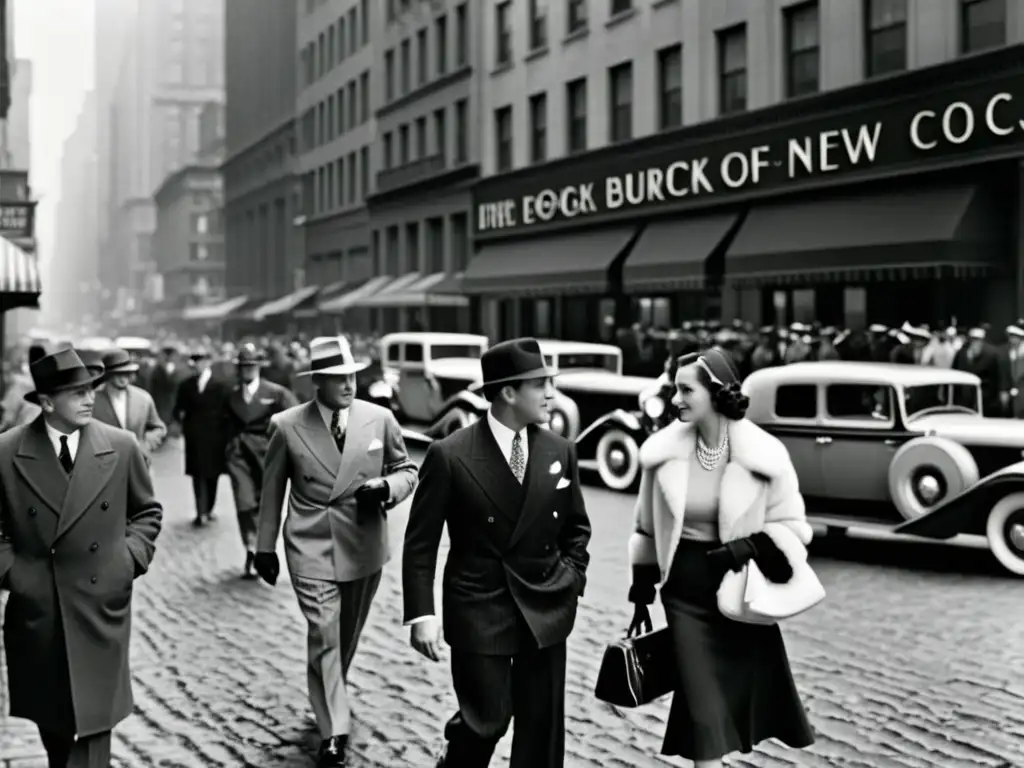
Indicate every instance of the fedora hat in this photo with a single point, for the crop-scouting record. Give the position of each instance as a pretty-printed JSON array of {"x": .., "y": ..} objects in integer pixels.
[
  {"x": 248, "y": 355},
  {"x": 119, "y": 361},
  {"x": 514, "y": 360},
  {"x": 332, "y": 356},
  {"x": 58, "y": 372},
  {"x": 93, "y": 360},
  {"x": 200, "y": 353}
]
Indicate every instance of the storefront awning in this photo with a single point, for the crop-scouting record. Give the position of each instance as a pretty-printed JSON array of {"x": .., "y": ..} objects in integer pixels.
[
  {"x": 214, "y": 311},
  {"x": 310, "y": 306},
  {"x": 20, "y": 284},
  {"x": 284, "y": 304},
  {"x": 570, "y": 263},
  {"x": 436, "y": 290},
  {"x": 339, "y": 304},
  {"x": 925, "y": 230},
  {"x": 384, "y": 297},
  {"x": 669, "y": 255}
]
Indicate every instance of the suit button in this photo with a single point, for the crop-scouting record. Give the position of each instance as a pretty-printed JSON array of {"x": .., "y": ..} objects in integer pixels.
[
  {"x": 31, "y": 511},
  {"x": 93, "y": 547},
  {"x": 104, "y": 505},
  {"x": 490, "y": 519},
  {"x": 547, "y": 547},
  {"x": 554, "y": 515},
  {"x": 53, "y": 551},
  {"x": 92, "y": 580}
]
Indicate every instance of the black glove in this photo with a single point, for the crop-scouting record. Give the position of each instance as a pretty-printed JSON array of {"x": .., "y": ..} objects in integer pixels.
[
  {"x": 267, "y": 566},
  {"x": 371, "y": 496},
  {"x": 770, "y": 559},
  {"x": 732, "y": 556},
  {"x": 641, "y": 622}
]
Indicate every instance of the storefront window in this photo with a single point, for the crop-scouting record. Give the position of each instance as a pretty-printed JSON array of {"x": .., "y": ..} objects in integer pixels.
[
  {"x": 654, "y": 312},
  {"x": 803, "y": 306},
  {"x": 606, "y": 310},
  {"x": 542, "y": 318},
  {"x": 982, "y": 24},
  {"x": 780, "y": 306},
  {"x": 885, "y": 48}
]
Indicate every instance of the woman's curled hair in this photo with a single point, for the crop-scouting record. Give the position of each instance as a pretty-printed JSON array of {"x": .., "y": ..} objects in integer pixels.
[{"x": 717, "y": 373}]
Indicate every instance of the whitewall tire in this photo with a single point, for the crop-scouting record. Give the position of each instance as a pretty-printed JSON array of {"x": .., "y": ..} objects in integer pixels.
[
  {"x": 1005, "y": 532},
  {"x": 618, "y": 460}
]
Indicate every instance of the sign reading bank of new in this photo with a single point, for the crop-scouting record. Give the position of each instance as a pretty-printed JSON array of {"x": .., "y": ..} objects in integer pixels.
[{"x": 979, "y": 121}]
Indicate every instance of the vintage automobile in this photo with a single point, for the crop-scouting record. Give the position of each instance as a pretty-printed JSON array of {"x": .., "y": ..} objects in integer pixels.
[{"x": 897, "y": 447}]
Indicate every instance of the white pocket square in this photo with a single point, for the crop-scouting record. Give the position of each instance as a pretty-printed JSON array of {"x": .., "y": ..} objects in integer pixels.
[
  {"x": 555, "y": 468},
  {"x": 375, "y": 445},
  {"x": 562, "y": 483}
]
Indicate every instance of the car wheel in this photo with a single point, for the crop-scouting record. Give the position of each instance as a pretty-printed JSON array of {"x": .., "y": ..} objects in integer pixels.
[
  {"x": 1005, "y": 532},
  {"x": 559, "y": 423},
  {"x": 618, "y": 460},
  {"x": 928, "y": 471}
]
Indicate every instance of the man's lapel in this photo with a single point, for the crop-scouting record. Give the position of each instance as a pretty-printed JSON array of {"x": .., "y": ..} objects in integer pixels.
[
  {"x": 314, "y": 435},
  {"x": 103, "y": 408},
  {"x": 539, "y": 481},
  {"x": 357, "y": 441},
  {"x": 487, "y": 466},
  {"x": 37, "y": 464},
  {"x": 236, "y": 401},
  {"x": 94, "y": 464}
]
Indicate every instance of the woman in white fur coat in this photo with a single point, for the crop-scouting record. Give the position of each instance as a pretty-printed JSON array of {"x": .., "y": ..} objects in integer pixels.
[{"x": 717, "y": 491}]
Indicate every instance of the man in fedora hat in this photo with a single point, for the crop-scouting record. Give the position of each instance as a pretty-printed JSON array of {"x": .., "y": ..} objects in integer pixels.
[
  {"x": 120, "y": 403},
  {"x": 78, "y": 523},
  {"x": 200, "y": 412},
  {"x": 248, "y": 409},
  {"x": 347, "y": 465},
  {"x": 510, "y": 495}
]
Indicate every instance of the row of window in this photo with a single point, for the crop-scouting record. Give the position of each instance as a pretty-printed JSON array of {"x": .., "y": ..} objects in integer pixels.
[
  {"x": 345, "y": 37},
  {"x": 335, "y": 185},
  {"x": 413, "y": 142},
  {"x": 575, "y": 16},
  {"x": 398, "y": 249},
  {"x": 426, "y": 68},
  {"x": 342, "y": 111}
]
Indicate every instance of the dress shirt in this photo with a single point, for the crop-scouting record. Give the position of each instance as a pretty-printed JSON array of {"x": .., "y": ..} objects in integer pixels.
[
  {"x": 119, "y": 400},
  {"x": 55, "y": 435},
  {"x": 203, "y": 380},
  {"x": 249, "y": 390},
  {"x": 328, "y": 416}
]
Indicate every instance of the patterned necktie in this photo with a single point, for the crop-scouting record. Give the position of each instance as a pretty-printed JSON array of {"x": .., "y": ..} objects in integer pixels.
[
  {"x": 337, "y": 432},
  {"x": 518, "y": 460},
  {"x": 65, "y": 455}
]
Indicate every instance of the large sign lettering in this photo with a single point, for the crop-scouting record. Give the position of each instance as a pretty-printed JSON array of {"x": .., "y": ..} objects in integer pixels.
[{"x": 976, "y": 122}]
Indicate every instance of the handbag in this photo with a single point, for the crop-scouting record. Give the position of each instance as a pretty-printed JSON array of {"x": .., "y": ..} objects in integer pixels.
[
  {"x": 637, "y": 670},
  {"x": 747, "y": 596}
]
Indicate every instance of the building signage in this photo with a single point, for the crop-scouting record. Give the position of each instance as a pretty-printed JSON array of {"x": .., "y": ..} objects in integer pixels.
[
  {"x": 970, "y": 122},
  {"x": 16, "y": 219}
]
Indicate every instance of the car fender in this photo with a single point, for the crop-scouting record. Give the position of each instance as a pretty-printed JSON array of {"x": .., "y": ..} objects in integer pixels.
[
  {"x": 586, "y": 443},
  {"x": 966, "y": 513}
]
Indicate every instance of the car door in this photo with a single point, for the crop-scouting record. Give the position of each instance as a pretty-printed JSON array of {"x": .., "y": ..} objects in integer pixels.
[
  {"x": 860, "y": 420},
  {"x": 417, "y": 395},
  {"x": 796, "y": 424}
]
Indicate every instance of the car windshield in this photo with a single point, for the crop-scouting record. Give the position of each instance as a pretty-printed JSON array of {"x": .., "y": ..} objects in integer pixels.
[
  {"x": 940, "y": 397},
  {"x": 567, "y": 360},
  {"x": 442, "y": 351}
]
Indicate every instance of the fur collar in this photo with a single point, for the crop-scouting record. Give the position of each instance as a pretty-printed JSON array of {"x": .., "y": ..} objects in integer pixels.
[{"x": 749, "y": 446}]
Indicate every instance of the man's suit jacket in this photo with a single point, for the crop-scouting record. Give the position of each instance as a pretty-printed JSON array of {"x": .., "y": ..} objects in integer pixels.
[
  {"x": 201, "y": 415},
  {"x": 69, "y": 552},
  {"x": 987, "y": 365},
  {"x": 516, "y": 550},
  {"x": 143, "y": 420},
  {"x": 324, "y": 536}
]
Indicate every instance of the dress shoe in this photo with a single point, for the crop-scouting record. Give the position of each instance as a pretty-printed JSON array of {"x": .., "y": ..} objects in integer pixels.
[
  {"x": 250, "y": 559},
  {"x": 333, "y": 752}
]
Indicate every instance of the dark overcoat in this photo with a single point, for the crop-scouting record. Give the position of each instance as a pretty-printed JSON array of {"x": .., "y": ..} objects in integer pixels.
[
  {"x": 70, "y": 553},
  {"x": 517, "y": 551},
  {"x": 164, "y": 388},
  {"x": 201, "y": 415},
  {"x": 987, "y": 365}
]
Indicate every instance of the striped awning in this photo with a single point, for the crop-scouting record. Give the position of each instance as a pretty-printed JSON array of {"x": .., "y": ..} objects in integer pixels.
[
  {"x": 214, "y": 311},
  {"x": 339, "y": 304},
  {"x": 381, "y": 298},
  {"x": 285, "y": 304},
  {"x": 20, "y": 283},
  {"x": 435, "y": 290},
  {"x": 310, "y": 306}
]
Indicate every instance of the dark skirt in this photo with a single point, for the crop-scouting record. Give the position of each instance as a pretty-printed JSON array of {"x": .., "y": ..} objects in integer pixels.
[{"x": 735, "y": 687}]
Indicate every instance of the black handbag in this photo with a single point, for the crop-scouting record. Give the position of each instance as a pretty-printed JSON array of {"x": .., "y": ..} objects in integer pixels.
[{"x": 637, "y": 670}]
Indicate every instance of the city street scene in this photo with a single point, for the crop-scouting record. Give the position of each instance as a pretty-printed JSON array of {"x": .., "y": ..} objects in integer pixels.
[{"x": 526, "y": 383}]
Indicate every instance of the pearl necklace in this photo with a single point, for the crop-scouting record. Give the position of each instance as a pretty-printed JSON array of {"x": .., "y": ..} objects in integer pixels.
[{"x": 709, "y": 458}]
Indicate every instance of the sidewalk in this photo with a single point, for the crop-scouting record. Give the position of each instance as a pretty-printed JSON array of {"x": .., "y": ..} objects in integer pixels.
[{"x": 19, "y": 739}]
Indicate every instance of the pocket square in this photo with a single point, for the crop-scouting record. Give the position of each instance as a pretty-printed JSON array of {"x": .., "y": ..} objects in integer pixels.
[
  {"x": 555, "y": 468},
  {"x": 375, "y": 445},
  {"x": 562, "y": 483}
]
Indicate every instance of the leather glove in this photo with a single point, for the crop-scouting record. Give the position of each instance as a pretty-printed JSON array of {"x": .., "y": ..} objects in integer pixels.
[
  {"x": 372, "y": 495},
  {"x": 732, "y": 556},
  {"x": 267, "y": 566},
  {"x": 641, "y": 623},
  {"x": 770, "y": 559}
]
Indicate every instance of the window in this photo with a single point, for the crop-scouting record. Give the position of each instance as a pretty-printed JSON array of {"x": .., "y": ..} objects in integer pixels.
[
  {"x": 321, "y": 124},
  {"x": 364, "y": 21},
  {"x": 333, "y": 129},
  {"x": 982, "y": 24},
  {"x": 796, "y": 401},
  {"x": 423, "y": 57},
  {"x": 340, "y": 164},
  {"x": 576, "y": 119},
  {"x": 802, "y": 50},
  {"x": 670, "y": 87},
  {"x": 538, "y": 24},
  {"x": 421, "y": 138},
  {"x": 620, "y": 89},
  {"x": 440, "y": 133},
  {"x": 340, "y": 98},
  {"x": 441, "y": 45},
  {"x": 538, "y": 128},
  {"x": 403, "y": 145},
  {"x": 389, "y": 76},
  {"x": 621, "y": 6},
  {"x": 412, "y": 247},
  {"x": 576, "y": 16},
  {"x": 353, "y": 105},
  {"x": 200, "y": 223},
  {"x": 460, "y": 241},
  {"x": 885, "y": 37},
  {"x": 321, "y": 55},
  {"x": 461, "y": 36},
  {"x": 364, "y": 97},
  {"x": 353, "y": 31},
  {"x": 732, "y": 70},
  {"x": 353, "y": 176},
  {"x": 503, "y": 33},
  {"x": 503, "y": 139},
  {"x": 330, "y": 47},
  {"x": 461, "y": 131},
  {"x": 198, "y": 252},
  {"x": 342, "y": 40},
  {"x": 331, "y": 188},
  {"x": 364, "y": 170},
  {"x": 389, "y": 150},
  {"x": 859, "y": 402},
  {"x": 406, "y": 67},
  {"x": 918, "y": 399}
]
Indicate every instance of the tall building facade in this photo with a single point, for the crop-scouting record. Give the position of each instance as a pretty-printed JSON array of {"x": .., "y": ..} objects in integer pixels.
[
  {"x": 171, "y": 67},
  {"x": 17, "y": 155},
  {"x": 262, "y": 197},
  {"x": 666, "y": 151}
]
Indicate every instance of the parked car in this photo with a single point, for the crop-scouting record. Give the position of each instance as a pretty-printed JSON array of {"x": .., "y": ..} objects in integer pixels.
[{"x": 897, "y": 447}]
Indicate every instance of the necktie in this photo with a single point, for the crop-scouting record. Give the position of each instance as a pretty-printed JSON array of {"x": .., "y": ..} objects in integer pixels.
[
  {"x": 518, "y": 460},
  {"x": 246, "y": 395},
  {"x": 337, "y": 432},
  {"x": 65, "y": 455}
]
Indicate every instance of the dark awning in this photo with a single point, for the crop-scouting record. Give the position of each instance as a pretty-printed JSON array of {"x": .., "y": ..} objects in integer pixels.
[
  {"x": 20, "y": 284},
  {"x": 571, "y": 263},
  {"x": 926, "y": 231},
  {"x": 670, "y": 254},
  {"x": 308, "y": 306}
]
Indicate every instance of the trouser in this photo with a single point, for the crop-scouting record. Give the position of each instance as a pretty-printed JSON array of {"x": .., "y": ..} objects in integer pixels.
[
  {"x": 247, "y": 522},
  {"x": 204, "y": 489},
  {"x": 336, "y": 613},
  {"x": 63, "y": 751},
  {"x": 528, "y": 687}
]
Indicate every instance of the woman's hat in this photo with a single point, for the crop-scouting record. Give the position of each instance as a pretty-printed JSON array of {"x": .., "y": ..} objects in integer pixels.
[
  {"x": 58, "y": 372},
  {"x": 332, "y": 356},
  {"x": 514, "y": 360},
  {"x": 249, "y": 355},
  {"x": 119, "y": 361},
  {"x": 718, "y": 365}
]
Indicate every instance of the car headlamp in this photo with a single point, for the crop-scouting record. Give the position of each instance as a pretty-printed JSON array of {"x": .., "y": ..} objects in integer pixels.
[{"x": 654, "y": 407}]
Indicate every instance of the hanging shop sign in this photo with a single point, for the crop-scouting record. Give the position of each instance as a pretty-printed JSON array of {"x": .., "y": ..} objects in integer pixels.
[{"x": 972, "y": 122}]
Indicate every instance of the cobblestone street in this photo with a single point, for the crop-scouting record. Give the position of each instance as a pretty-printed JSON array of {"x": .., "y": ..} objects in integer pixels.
[{"x": 900, "y": 667}]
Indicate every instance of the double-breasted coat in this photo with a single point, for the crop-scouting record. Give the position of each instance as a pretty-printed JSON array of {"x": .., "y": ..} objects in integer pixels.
[
  {"x": 516, "y": 550},
  {"x": 201, "y": 415},
  {"x": 70, "y": 553}
]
